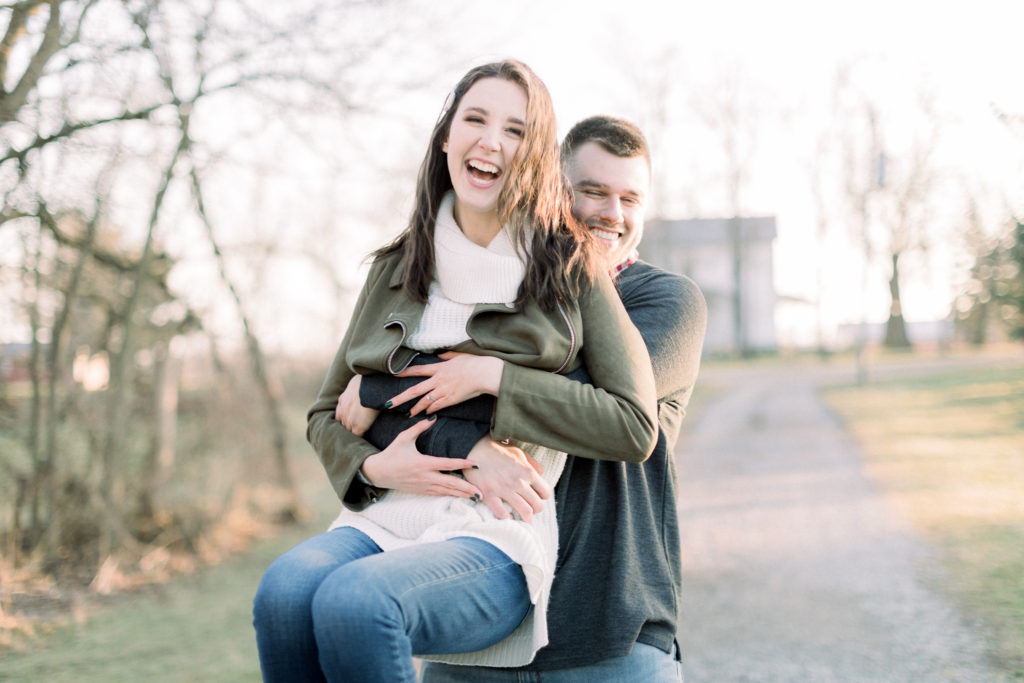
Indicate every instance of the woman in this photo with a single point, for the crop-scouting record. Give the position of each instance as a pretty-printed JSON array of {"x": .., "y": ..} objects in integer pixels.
[{"x": 438, "y": 576}]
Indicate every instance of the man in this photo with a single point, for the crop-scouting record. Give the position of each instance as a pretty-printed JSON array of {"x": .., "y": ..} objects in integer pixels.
[{"x": 614, "y": 610}]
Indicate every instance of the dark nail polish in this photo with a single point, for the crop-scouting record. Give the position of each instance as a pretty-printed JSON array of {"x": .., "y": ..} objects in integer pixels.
[
  {"x": 388, "y": 405},
  {"x": 432, "y": 418},
  {"x": 476, "y": 467}
]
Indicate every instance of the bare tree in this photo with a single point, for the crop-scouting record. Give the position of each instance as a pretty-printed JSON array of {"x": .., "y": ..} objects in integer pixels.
[
  {"x": 891, "y": 180},
  {"x": 122, "y": 121},
  {"x": 732, "y": 112}
]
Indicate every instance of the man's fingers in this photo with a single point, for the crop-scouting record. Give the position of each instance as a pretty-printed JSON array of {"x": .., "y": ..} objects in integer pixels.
[
  {"x": 522, "y": 508},
  {"x": 533, "y": 500},
  {"x": 496, "y": 506},
  {"x": 542, "y": 488}
]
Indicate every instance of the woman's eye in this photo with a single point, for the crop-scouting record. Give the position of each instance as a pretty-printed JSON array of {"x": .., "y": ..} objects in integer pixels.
[{"x": 518, "y": 132}]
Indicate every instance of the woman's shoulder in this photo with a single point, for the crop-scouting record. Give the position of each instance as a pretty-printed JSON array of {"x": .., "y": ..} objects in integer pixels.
[{"x": 386, "y": 264}]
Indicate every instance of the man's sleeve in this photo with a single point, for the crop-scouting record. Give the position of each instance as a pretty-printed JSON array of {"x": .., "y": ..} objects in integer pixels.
[
  {"x": 613, "y": 419},
  {"x": 670, "y": 313}
]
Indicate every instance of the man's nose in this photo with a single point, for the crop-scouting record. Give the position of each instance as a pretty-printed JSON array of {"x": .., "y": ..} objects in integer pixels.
[{"x": 611, "y": 211}]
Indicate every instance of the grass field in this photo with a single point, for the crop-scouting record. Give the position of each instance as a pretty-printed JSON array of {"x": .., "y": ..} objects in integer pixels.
[
  {"x": 197, "y": 628},
  {"x": 949, "y": 449}
]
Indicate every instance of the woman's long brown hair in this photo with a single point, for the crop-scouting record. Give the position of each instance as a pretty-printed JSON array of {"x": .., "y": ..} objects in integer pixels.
[{"x": 535, "y": 204}]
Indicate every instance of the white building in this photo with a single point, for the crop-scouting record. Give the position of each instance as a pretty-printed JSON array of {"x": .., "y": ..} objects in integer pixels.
[{"x": 738, "y": 282}]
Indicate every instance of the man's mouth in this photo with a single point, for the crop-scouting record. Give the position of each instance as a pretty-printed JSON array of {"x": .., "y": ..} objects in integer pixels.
[
  {"x": 482, "y": 171},
  {"x": 603, "y": 234}
]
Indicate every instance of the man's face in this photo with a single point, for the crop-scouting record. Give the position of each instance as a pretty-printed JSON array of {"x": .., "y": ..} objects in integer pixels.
[{"x": 608, "y": 196}]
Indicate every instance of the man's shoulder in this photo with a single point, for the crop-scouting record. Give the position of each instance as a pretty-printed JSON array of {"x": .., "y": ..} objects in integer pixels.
[{"x": 643, "y": 278}]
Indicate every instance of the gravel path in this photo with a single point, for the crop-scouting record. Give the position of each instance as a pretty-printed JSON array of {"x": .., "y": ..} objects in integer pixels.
[{"x": 795, "y": 567}]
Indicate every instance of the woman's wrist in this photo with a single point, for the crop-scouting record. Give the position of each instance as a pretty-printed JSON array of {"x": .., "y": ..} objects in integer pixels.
[{"x": 490, "y": 377}]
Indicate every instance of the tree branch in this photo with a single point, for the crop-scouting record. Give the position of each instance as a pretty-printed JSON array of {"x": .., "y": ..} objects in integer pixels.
[
  {"x": 12, "y": 102},
  {"x": 70, "y": 129}
]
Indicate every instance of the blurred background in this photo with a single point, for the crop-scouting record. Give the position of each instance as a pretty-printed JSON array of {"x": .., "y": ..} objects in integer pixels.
[{"x": 190, "y": 189}]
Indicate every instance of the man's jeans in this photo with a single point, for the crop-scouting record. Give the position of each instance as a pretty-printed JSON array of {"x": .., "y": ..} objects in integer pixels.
[
  {"x": 336, "y": 608},
  {"x": 645, "y": 664}
]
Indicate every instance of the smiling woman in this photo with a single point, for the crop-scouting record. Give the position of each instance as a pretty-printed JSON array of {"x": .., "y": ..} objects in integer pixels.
[{"x": 482, "y": 143}]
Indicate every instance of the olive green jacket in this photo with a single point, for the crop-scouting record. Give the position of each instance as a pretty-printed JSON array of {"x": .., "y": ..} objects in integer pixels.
[{"x": 613, "y": 419}]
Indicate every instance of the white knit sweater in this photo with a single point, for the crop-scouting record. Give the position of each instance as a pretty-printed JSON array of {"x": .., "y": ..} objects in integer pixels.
[{"x": 468, "y": 274}]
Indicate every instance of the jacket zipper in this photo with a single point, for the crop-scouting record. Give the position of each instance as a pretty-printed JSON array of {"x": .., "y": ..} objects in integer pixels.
[{"x": 572, "y": 338}]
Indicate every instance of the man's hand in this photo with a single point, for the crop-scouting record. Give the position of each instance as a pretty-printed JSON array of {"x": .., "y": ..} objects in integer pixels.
[
  {"x": 461, "y": 376},
  {"x": 402, "y": 467},
  {"x": 507, "y": 475},
  {"x": 351, "y": 413}
]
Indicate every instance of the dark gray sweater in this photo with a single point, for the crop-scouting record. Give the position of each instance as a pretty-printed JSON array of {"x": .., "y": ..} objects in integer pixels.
[{"x": 619, "y": 575}]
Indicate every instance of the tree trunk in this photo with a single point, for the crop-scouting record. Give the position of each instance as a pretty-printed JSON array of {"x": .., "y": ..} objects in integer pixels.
[
  {"x": 739, "y": 332},
  {"x": 112, "y": 486},
  {"x": 41, "y": 472},
  {"x": 292, "y": 509},
  {"x": 896, "y": 328},
  {"x": 160, "y": 458}
]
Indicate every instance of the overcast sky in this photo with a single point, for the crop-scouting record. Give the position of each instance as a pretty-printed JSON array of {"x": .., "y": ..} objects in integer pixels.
[{"x": 598, "y": 56}]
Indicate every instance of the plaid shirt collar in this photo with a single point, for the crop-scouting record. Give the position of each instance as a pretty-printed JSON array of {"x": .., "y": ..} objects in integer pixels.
[{"x": 630, "y": 260}]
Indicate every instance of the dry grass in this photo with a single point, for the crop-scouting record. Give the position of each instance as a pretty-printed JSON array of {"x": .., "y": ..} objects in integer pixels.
[{"x": 949, "y": 448}]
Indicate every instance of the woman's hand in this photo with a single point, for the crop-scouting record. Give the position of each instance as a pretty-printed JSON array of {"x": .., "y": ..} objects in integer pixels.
[
  {"x": 351, "y": 413},
  {"x": 461, "y": 376},
  {"x": 507, "y": 475},
  {"x": 402, "y": 467}
]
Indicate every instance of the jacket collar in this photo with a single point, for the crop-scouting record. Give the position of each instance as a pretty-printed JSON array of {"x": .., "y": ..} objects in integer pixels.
[{"x": 398, "y": 273}]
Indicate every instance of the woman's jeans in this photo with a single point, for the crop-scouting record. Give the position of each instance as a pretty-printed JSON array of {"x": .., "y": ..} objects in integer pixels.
[
  {"x": 645, "y": 663},
  {"x": 336, "y": 608}
]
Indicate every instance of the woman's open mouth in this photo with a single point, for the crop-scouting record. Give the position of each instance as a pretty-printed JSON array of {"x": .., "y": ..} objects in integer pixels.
[{"x": 485, "y": 174}]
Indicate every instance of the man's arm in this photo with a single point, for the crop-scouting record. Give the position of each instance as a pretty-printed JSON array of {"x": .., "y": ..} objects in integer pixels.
[
  {"x": 613, "y": 419},
  {"x": 670, "y": 313}
]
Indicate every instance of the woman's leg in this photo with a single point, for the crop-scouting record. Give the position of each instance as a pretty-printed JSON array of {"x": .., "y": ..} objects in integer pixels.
[
  {"x": 282, "y": 612},
  {"x": 372, "y": 615}
]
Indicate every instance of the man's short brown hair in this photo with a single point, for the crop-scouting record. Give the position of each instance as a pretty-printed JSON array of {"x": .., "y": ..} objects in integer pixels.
[{"x": 617, "y": 136}]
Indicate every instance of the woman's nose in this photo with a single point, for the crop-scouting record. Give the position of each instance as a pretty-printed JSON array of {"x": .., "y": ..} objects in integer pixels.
[{"x": 490, "y": 140}]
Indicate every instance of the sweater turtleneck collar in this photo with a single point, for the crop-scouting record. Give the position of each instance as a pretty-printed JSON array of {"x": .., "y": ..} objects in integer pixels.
[{"x": 468, "y": 273}]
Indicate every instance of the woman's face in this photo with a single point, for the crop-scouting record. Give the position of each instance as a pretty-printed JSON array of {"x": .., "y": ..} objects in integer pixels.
[{"x": 485, "y": 134}]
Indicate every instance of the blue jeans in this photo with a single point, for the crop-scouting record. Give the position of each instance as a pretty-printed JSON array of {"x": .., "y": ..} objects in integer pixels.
[
  {"x": 645, "y": 663},
  {"x": 337, "y": 608}
]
